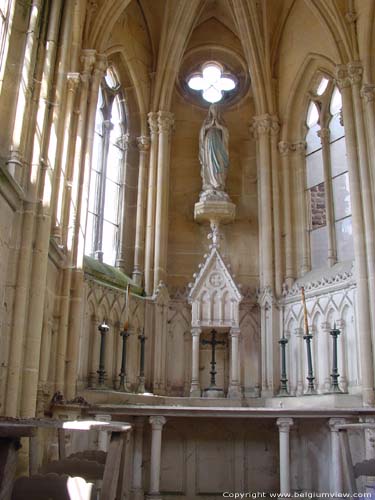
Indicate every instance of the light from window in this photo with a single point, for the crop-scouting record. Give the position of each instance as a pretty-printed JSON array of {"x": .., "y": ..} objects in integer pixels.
[
  {"x": 4, "y": 23},
  {"x": 110, "y": 79},
  {"x": 212, "y": 83},
  {"x": 336, "y": 102},
  {"x": 322, "y": 86},
  {"x": 105, "y": 181},
  {"x": 312, "y": 115}
]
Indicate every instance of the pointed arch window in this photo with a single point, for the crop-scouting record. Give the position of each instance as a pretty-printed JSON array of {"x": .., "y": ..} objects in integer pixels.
[
  {"x": 327, "y": 180},
  {"x": 5, "y": 9},
  {"x": 107, "y": 171}
]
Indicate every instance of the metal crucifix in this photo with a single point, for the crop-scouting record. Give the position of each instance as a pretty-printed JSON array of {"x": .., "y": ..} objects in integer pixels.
[{"x": 213, "y": 343}]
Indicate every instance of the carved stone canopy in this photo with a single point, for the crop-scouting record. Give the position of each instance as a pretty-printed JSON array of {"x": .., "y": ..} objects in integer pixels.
[{"x": 214, "y": 296}]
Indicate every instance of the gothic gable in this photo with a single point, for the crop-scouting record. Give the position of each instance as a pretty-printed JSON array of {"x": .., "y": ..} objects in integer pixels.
[{"x": 214, "y": 295}]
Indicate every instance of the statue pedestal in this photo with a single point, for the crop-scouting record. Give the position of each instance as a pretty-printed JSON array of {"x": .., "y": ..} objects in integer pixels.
[{"x": 214, "y": 211}]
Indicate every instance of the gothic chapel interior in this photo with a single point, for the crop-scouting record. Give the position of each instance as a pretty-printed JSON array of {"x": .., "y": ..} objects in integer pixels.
[{"x": 187, "y": 241}]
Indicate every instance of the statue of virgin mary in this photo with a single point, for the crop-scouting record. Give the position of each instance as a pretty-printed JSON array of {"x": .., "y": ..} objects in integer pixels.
[{"x": 213, "y": 156}]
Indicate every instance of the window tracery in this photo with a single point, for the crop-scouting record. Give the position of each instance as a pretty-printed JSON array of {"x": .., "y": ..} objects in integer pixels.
[
  {"x": 212, "y": 82},
  {"x": 327, "y": 181},
  {"x": 105, "y": 196}
]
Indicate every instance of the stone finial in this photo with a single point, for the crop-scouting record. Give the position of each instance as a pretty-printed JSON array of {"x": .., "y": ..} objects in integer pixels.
[{"x": 215, "y": 235}]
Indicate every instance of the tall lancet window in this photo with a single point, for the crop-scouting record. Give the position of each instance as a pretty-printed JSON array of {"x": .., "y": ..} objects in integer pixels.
[
  {"x": 107, "y": 171},
  {"x": 5, "y": 6},
  {"x": 327, "y": 181}
]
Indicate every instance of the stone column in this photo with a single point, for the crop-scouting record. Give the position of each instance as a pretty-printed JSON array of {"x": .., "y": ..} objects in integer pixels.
[
  {"x": 342, "y": 354},
  {"x": 234, "y": 391},
  {"x": 301, "y": 353},
  {"x": 157, "y": 423},
  {"x": 123, "y": 142},
  {"x": 284, "y": 424},
  {"x": 137, "y": 487},
  {"x": 284, "y": 149},
  {"x": 363, "y": 310},
  {"x": 277, "y": 214},
  {"x": 368, "y": 98},
  {"x": 262, "y": 128},
  {"x": 324, "y": 135},
  {"x": 299, "y": 157},
  {"x": 64, "y": 173},
  {"x": 324, "y": 357},
  {"x": 151, "y": 200},
  {"x": 165, "y": 123},
  {"x": 143, "y": 143},
  {"x": 103, "y": 436},
  {"x": 336, "y": 485},
  {"x": 355, "y": 71},
  {"x": 369, "y": 451},
  {"x": 195, "y": 388}
]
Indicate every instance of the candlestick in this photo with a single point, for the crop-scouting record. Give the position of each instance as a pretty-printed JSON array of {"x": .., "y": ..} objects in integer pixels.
[
  {"x": 335, "y": 332},
  {"x": 141, "y": 379},
  {"x": 306, "y": 325},
  {"x": 127, "y": 299},
  {"x": 124, "y": 335},
  {"x": 103, "y": 329},
  {"x": 283, "y": 380}
]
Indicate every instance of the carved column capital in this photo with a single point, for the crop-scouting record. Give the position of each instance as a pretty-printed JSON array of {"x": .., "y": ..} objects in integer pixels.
[
  {"x": 143, "y": 143},
  {"x": 325, "y": 326},
  {"x": 157, "y": 422},
  {"x": 299, "y": 332},
  {"x": 324, "y": 135},
  {"x": 340, "y": 324},
  {"x": 100, "y": 67},
  {"x": 275, "y": 126},
  {"x": 235, "y": 332},
  {"x": 334, "y": 422},
  {"x": 355, "y": 71},
  {"x": 88, "y": 57},
  {"x": 368, "y": 92},
  {"x": 342, "y": 76},
  {"x": 107, "y": 125},
  {"x": 299, "y": 147},
  {"x": 123, "y": 141},
  {"x": 153, "y": 122},
  {"x": 73, "y": 80},
  {"x": 165, "y": 121},
  {"x": 284, "y": 424},
  {"x": 261, "y": 125},
  {"x": 284, "y": 148},
  {"x": 195, "y": 332}
]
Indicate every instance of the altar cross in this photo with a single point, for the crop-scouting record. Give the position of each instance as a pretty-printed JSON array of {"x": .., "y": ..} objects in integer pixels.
[{"x": 213, "y": 343}]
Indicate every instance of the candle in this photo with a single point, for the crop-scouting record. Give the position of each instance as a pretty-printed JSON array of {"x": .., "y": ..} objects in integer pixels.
[
  {"x": 127, "y": 298},
  {"x": 306, "y": 326}
]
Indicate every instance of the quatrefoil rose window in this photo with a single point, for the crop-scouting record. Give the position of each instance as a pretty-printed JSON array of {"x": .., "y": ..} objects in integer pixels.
[{"x": 212, "y": 82}]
